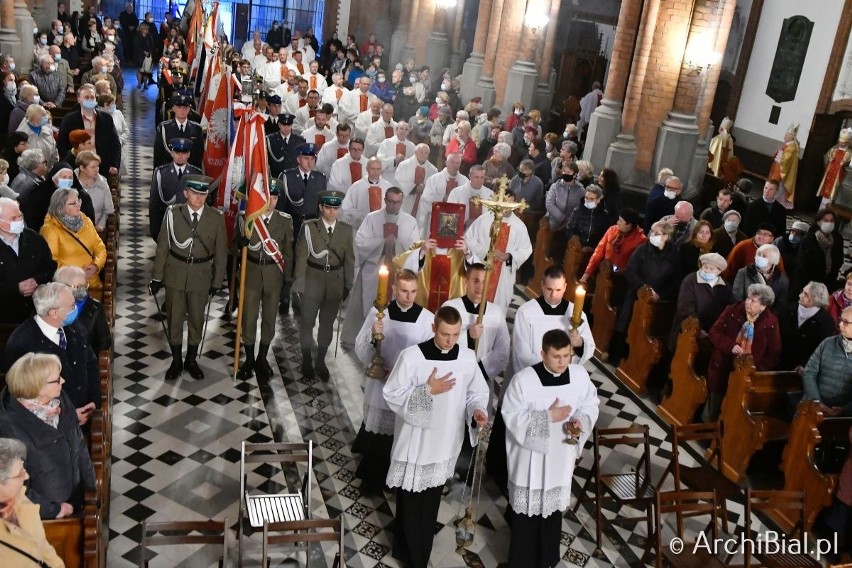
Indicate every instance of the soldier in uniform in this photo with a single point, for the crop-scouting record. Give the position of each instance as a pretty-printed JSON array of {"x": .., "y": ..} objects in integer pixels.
[
  {"x": 264, "y": 280},
  {"x": 179, "y": 127},
  {"x": 282, "y": 146},
  {"x": 167, "y": 181},
  {"x": 323, "y": 275},
  {"x": 301, "y": 188},
  {"x": 192, "y": 252},
  {"x": 273, "y": 109}
]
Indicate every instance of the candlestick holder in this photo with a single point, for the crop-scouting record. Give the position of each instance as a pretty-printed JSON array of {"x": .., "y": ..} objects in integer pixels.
[{"x": 376, "y": 370}]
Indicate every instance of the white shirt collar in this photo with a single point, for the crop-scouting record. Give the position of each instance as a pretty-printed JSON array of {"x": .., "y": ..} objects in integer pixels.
[
  {"x": 49, "y": 331},
  {"x": 443, "y": 351},
  {"x": 327, "y": 225},
  {"x": 200, "y": 210},
  {"x": 551, "y": 372}
]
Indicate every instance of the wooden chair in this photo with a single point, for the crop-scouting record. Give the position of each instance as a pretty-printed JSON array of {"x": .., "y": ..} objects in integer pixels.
[
  {"x": 299, "y": 535},
  {"x": 178, "y": 533},
  {"x": 689, "y": 385},
  {"x": 686, "y": 504},
  {"x": 794, "y": 503},
  {"x": 610, "y": 289},
  {"x": 627, "y": 489},
  {"x": 811, "y": 429},
  {"x": 706, "y": 475},
  {"x": 647, "y": 335},
  {"x": 753, "y": 413},
  {"x": 259, "y": 508}
]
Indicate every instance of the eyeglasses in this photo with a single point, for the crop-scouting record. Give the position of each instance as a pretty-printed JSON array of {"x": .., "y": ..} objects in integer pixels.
[
  {"x": 845, "y": 322},
  {"x": 673, "y": 187},
  {"x": 56, "y": 382},
  {"x": 393, "y": 201},
  {"x": 80, "y": 287}
]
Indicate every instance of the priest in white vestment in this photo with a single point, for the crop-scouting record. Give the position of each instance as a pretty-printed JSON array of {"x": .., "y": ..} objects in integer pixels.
[
  {"x": 334, "y": 149},
  {"x": 539, "y": 402},
  {"x": 380, "y": 130},
  {"x": 383, "y": 235},
  {"x": 512, "y": 249},
  {"x": 335, "y": 93},
  {"x": 435, "y": 389},
  {"x": 405, "y": 324},
  {"x": 366, "y": 119},
  {"x": 348, "y": 169},
  {"x": 438, "y": 188},
  {"x": 411, "y": 176},
  {"x": 475, "y": 187},
  {"x": 356, "y": 101},
  {"x": 395, "y": 150},
  {"x": 364, "y": 196}
]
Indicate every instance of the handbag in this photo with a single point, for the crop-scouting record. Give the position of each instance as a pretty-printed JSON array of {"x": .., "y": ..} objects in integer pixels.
[{"x": 40, "y": 563}]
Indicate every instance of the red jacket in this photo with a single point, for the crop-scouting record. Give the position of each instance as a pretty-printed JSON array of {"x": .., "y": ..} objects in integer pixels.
[
  {"x": 468, "y": 155},
  {"x": 619, "y": 258}
]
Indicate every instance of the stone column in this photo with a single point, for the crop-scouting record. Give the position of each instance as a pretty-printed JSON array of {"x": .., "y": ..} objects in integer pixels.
[
  {"x": 408, "y": 49},
  {"x": 544, "y": 91},
  {"x": 400, "y": 34},
  {"x": 8, "y": 36},
  {"x": 438, "y": 46},
  {"x": 39, "y": 15},
  {"x": 485, "y": 86},
  {"x": 523, "y": 75},
  {"x": 472, "y": 70},
  {"x": 605, "y": 123},
  {"x": 456, "y": 41},
  {"x": 508, "y": 47},
  {"x": 23, "y": 52}
]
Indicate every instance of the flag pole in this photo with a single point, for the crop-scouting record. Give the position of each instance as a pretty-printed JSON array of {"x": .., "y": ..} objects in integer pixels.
[{"x": 241, "y": 299}]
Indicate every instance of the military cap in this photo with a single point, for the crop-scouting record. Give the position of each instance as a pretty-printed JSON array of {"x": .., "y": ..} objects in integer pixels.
[
  {"x": 181, "y": 100},
  {"x": 197, "y": 183},
  {"x": 180, "y": 144},
  {"x": 273, "y": 99},
  {"x": 308, "y": 149},
  {"x": 331, "y": 198},
  {"x": 275, "y": 186},
  {"x": 286, "y": 118}
]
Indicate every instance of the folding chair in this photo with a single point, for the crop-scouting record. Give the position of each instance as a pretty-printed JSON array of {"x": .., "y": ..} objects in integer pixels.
[
  {"x": 706, "y": 476},
  {"x": 183, "y": 533},
  {"x": 775, "y": 500},
  {"x": 300, "y": 534},
  {"x": 684, "y": 503},
  {"x": 260, "y": 508}
]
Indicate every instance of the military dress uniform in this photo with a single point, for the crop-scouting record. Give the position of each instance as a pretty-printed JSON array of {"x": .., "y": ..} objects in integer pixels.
[
  {"x": 263, "y": 283},
  {"x": 167, "y": 187},
  {"x": 282, "y": 152},
  {"x": 323, "y": 274},
  {"x": 169, "y": 129},
  {"x": 190, "y": 264}
]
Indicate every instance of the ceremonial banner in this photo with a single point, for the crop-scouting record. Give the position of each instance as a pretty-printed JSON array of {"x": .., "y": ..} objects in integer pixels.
[{"x": 219, "y": 124}]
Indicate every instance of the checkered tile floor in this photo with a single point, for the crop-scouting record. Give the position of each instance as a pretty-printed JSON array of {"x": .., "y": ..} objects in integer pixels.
[{"x": 176, "y": 445}]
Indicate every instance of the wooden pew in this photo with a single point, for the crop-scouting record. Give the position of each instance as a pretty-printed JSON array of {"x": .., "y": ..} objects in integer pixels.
[
  {"x": 576, "y": 259},
  {"x": 810, "y": 428},
  {"x": 76, "y": 539},
  {"x": 647, "y": 336},
  {"x": 753, "y": 413},
  {"x": 610, "y": 289},
  {"x": 541, "y": 260},
  {"x": 689, "y": 384}
]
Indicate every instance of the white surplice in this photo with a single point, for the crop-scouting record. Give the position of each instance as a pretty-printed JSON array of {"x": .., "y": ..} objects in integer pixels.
[
  {"x": 356, "y": 202},
  {"x": 340, "y": 177},
  {"x": 404, "y": 176},
  {"x": 387, "y": 154},
  {"x": 494, "y": 343},
  {"x": 537, "y": 317},
  {"x": 463, "y": 194}
]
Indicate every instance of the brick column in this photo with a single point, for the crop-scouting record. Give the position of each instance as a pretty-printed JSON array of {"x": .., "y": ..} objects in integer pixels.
[
  {"x": 485, "y": 86},
  {"x": 544, "y": 92},
  {"x": 605, "y": 123},
  {"x": 425, "y": 21},
  {"x": 509, "y": 42},
  {"x": 23, "y": 51},
  {"x": 438, "y": 46},
  {"x": 8, "y": 35},
  {"x": 455, "y": 40},
  {"x": 473, "y": 67},
  {"x": 408, "y": 49},
  {"x": 400, "y": 33}
]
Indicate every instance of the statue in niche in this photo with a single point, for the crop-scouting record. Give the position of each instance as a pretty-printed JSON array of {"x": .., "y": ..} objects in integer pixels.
[{"x": 789, "y": 59}]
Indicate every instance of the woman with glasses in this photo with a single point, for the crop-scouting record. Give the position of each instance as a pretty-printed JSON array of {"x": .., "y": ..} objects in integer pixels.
[
  {"x": 38, "y": 413},
  {"x": 21, "y": 531},
  {"x": 72, "y": 237}
]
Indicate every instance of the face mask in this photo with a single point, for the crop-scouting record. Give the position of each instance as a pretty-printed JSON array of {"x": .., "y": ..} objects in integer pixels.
[
  {"x": 567, "y": 178},
  {"x": 795, "y": 239},
  {"x": 57, "y": 57},
  {"x": 111, "y": 38},
  {"x": 116, "y": 26},
  {"x": 669, "y": 194},
  {"x": 438, "y": 101},
  {"x": 35, "y": 29},
  {"x": 761, "y": 263},
  {"x": 11, "y": 67},
  {"x": 88, "y": 104},
  {"x": 381, "y": 78},
  {"x": 60, "y": 30},
  {"x": 16, "y": 227},
  {"x": 11, "y": 87},
  {"x": 43, "y": 121},
  {"x": 518, "y": 112},
  {"x": 103, "y": 70},
  {"x": 590, "y": 204},
  {"x": 731, "y": 227},
  {"x": 826, "y": 227},
  {"x": 565, "y": 136},
  {"x": 111, "y": 109},
  {"x": 52, "y": 68},
  {"x": 707, "y": 276},
  {"x": 656, "y": 240},
  {"x": 64, "y": 183},
  {"x": 523, "y": 175},
  {"x": 43, "y": 41},
  {"x": 80, "y": 295},
  {"x": 36, "y": 100},
  {"x": 71, "y": 317},
  {"x": 444, "y": 87}
]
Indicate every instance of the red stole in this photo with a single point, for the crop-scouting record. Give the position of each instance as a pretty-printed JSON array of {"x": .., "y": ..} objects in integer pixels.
[
  {"x": 313, "y": 82},
  {"x": 390, "y": 229},
  {"x": 319, "y": 140},
  {"x": 342, "y": 152},
  {"x": 312, "y": 112},
  {"x": 833, "y": 173},
  {"x": 497, "y": 266},
  {"x": 375, "y": 197},
  {"x": 419, "y": 176},
  {"x": 356, "y": 172},
  {"x": 451, "y": 185},
  {"x": 388, "y": 132},
  {"x": 302, "y": 102},
  {"x": 373, "y": 119},
  {"x": 301, "y": 68},
  {"x": 473, "y": 212},
  {"x": 363, "y": 98},
  {"x": 338, "y": 94},
  {"x": 400, "y": 148}
]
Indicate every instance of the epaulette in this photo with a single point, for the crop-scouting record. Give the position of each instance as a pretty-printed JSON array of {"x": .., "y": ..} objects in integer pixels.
[
  {"x": 345, "y": 223},
  {"x": 283, "y": 214}
]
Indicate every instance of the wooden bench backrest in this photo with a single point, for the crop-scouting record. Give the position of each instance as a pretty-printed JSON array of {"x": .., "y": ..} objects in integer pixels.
[
  {"x": 541, "y": 261},
  {"x": 576, "y": 259},
  {"x": 610, "y": 289},
  {"x": 689, "y": 388}
]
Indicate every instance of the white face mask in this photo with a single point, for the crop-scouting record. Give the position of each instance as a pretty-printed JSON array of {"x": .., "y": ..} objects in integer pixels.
[
  {"x": 669, "y": 194},
  {"x": 826, "y": 227},
  {"x": 36, "y": 100},
  {"x": 16, "y": 227},
  {"x": 656, "y": 240},
  {"x": 52, "y": 68},
  {"x": 731, "y": 227},
  {"x": 590, "y": 204},
  {"x": 761, "y": 263}
]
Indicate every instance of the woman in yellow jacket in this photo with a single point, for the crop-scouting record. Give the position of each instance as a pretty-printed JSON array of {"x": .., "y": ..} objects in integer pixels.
[
  {"x": 72, "y": 237},
  {"x": 22, "y": 539}
]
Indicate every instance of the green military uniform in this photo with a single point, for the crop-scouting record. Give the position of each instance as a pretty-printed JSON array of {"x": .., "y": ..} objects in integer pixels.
[
  {"x": 323, "y": 275},
  {"x": 263, "y": 285},
  {"x": 192, "y": 251}
]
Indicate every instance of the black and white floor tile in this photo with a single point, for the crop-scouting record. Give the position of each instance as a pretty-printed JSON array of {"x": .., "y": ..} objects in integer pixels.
[{"x": 176, "y": 444}]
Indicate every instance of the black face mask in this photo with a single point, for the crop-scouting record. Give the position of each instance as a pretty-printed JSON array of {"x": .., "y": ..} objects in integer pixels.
[
  {"x": 567, "y": 177},
  {"x": 523, "y": 175}
]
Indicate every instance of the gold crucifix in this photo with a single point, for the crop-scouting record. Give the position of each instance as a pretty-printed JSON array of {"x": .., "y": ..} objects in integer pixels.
[{"x": 499, "y": 205}]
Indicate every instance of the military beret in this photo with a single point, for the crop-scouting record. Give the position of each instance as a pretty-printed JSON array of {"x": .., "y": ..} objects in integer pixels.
[
  {"x": 286, "y": 118},
  {"x": 308, "y": 149},
  {"x": 181, "y": 100},
  {"x": 275, "y": 186},
  {"x": 331, "y": 198},
  {"x": 197, "y": 183},
  {"x": 273, "y": 99},
  {"x": 180, "y": 144}
]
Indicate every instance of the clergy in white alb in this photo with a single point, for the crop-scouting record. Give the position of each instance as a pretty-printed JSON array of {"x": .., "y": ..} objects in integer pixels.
[
  {"x": 383, "y": 235},
  {"x": 380, "y": 130},
  {"x": 411, "y": 176},
  {"x": 348, "y": 169},
  {"x": 539, "y": 402},
  {"x": 355, "y": 102},
  {"x": 512, "y": 249},
  {"x": 493, "y": 333},
  {"x": 364, "y": 196},
  {"x": 335, "y": 92},
  {"x": 475, "y": 187},
  {"x": 405, "y": 324},
  {"x": 438, "y": 188},
  {"x": 435, "y": 389},
  {"x": 316, "y": 82},
  {"x": 318, "y": 131},
  {"x": 334, "y": 149},
  {"x": 307, "y": 111},
  {"x": 364, "y": 120},
  {"x": 395, "y": 150}
]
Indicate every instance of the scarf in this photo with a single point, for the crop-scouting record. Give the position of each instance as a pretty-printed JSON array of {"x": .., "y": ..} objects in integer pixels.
[
  {"x": 825, "y": 242},
  {"x": 48, "y": 413},
  {"x": 72, "y": 223},
  {"x": 745, "y": 337},
  {"x": 803, "y": 314}
]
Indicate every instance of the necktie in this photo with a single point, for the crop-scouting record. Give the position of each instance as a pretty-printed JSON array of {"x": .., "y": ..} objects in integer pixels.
[
  {"x": 180, "y": 173},
  {"x": 330, "y": 231},
  {"x": 180, "y": 127},
  {"x": 194, "y": 220},
  {"x": 306, "y": 179},
  {"x": 63, "y": 341}
]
